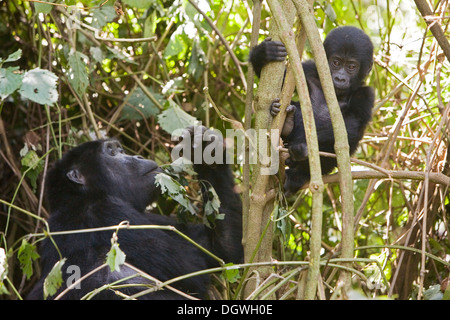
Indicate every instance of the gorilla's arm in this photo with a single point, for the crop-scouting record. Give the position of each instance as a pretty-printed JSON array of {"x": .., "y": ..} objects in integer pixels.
[
  {"x": 227, "y": 234},
  {"x": 265, "y": 52}
]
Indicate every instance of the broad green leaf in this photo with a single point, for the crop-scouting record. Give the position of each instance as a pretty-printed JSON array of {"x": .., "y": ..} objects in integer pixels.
[
  {"x": 177, "y": 46},
  {"x": 27, "y": 254},
  {"x": 282, "y": 221},
  {"x": 213, "y": 201},
  {"x": 9, "y": 81},
  {"x": 115, "y": 257},
  {"x": 13, "y": 56},
  {"x": 43, "y": 7},
  {"x": 204, "y": 5},
  {"x": 101, "y": 16},
  {"x": 150, "y": 24},
  {"x": 231, "y": 274},
  {"x": 175, "y": 118},
  {"x": 446, "y": 293},
  {"x": 433, "y": 293},
  {"x": 196, "y": 61},
  {"x": 140, "y": 106},
  {"x": 39, "y": 86},
  {"x": 32, "y": 164},
  {"x": 30, "y": 159},
  {"x": 329, "y": 11},
  {"x": 182, "y": 165},
  {"x": 54, "y": 279},
  {"x": 139, "y": 4},
  {"x": 174, "y": 190},
  {"x": 97, "y": 54},
  {"x": 211, "y": 208},
  {"x": 78, "y": 74},
  {"x": 167, "y": 184}
]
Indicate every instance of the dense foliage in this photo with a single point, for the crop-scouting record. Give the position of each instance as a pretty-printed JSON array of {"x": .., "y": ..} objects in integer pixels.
[{"x": 136, "y": 70}]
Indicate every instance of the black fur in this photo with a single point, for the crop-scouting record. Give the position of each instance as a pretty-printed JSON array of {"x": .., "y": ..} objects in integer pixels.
[
  {"x": 350, "y": 56},
  {"x": 97, "y": 185}
]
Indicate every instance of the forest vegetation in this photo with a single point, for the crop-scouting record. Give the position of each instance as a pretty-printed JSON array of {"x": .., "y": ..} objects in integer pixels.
[{"x": 76, "y": 70}]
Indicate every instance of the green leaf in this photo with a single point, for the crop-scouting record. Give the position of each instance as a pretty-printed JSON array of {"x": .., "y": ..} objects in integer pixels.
[
  {"x": 115, "y": 257},
  {"x": 9, "y": 81},
  {"x": 168, "y": 184},
  {"x": 12, "y": 57},
  {"x": 175, "y": 118},
  {"x": 39, "y": 86},
  {"x": 140, "y": 106},
  {"x": 446, "y": 293},
  {"x": 211, "y": 208},
  {"x": 175, "y": 190},
  {"x": 139, "y": 4},
  {"x": 78, "y": 74},
  {"x": 30, "y": 158},
  {"x": 97, "y": 54},
  {"x": 329, "y": 11},
  {"x": 43, "y": 7},
  {"x": 433, "y": 293},
  {"x": 150, "y": 24},
  {"x": 231, "y": 274},
  {"x": 101, "y": 16},
  {"x": 213, "y": 203},
  {"x": 181, "y": 165},
  {"x": 196, "y": 61},
  {"x": 54, "y": 279},
  {"x": 32, "y": 165},
  {"x": 27, "y": 254},
  {"x": 177, "y": 46},
  {"x": 282, "y": 221}
]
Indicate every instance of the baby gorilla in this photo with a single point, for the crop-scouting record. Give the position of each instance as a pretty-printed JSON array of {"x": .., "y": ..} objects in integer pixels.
[
  {"x": 350, "y": 58},
  {"x": 97, "y": 185}
]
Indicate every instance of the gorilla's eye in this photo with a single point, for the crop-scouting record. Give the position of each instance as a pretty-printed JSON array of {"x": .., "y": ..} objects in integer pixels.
[
  {"x": 336, "y": 63},
  {"x": 351, "y": 67}
]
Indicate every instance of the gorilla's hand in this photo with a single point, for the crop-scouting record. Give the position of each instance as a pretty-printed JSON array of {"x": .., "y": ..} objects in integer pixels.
[
  {"x": 289, "y": 120},
  {"x": 200, "y": 145}
]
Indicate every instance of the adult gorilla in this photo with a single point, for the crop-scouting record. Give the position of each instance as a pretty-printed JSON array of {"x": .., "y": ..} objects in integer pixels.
[
  {"x": 350, "y": 58},
  {"x": 96, "y": 185}
]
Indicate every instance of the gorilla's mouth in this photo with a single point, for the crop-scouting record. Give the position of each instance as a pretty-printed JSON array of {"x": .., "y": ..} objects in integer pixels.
[
  {"x": 154, "y": 170},
  {"x": 341, "y": 87}
]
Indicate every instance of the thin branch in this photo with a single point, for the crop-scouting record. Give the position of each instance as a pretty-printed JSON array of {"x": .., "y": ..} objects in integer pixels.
[
  {"x": 435, "y": 177},
  {"x": 256, "y": 12},
  {"x": 342, "y": 148},
  {"x": 434, "y": 26},
  {"x": 316, "y": 183}
]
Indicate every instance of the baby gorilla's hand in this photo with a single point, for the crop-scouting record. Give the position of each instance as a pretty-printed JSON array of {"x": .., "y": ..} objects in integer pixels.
[
  {"x": 273, "y": 50},
  {"x": 289, "y": 121}
]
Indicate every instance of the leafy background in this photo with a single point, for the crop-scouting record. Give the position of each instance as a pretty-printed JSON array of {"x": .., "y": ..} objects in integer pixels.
[{"x": 136, "y": 70}]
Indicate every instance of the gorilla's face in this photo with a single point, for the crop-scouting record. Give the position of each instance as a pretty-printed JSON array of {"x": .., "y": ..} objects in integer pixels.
[{"x": 101, "y": 168}]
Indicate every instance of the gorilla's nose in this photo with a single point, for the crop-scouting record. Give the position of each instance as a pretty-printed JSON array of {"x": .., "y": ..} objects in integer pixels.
[{"x": 339, "y": 79}]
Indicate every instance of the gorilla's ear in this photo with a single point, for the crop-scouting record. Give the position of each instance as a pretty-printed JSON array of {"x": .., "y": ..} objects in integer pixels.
[{"x": 75, "y": 176}]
